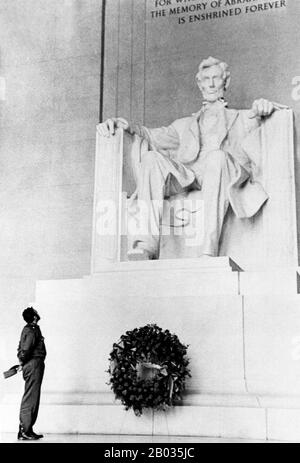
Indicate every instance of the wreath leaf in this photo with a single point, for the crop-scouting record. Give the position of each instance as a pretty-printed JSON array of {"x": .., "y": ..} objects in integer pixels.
[{"x": 159, "y": 356}]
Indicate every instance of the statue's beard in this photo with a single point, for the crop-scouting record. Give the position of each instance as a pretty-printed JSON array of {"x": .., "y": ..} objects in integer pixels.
[{"x": 214, "y": 96}]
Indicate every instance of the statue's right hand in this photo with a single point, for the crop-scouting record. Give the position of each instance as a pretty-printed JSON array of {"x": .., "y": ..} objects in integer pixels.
[{"x": 108, "y": 128}]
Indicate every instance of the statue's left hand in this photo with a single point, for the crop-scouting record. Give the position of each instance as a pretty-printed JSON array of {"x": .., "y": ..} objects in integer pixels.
[{"x": 264, "y": 108}]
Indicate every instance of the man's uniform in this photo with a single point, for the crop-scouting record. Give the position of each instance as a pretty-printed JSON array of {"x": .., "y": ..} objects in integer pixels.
[{"x": 31, "y": 353}]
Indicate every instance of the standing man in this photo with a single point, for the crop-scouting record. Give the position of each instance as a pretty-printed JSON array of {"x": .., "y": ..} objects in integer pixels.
[
  {"x": 31, "y": 354},
  {"x": 208, "y": 151}
]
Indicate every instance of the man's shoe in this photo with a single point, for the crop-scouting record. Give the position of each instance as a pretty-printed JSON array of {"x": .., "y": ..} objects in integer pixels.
[
  {"x": 37, "y": 436},
  {"x": 24, "y": 436}
]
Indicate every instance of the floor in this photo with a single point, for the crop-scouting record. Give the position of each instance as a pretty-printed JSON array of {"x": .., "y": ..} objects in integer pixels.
[{"x": 76, "y": 439}]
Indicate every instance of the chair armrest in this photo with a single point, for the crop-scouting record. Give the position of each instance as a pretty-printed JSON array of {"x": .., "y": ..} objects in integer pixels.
[{"x": 115, "y": 172}]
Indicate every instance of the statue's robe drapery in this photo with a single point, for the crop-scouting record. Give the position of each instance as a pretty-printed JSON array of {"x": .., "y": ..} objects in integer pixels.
[{"x": 238, "y": 136}]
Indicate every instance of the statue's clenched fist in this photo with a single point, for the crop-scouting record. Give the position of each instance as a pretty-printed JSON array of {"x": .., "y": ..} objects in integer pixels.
[
  {"x": 264, "y": 108},
  {"x": 109, "y": 127}
]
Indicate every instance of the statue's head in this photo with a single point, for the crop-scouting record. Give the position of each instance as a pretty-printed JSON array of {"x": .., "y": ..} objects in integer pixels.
[{"x": 213, "y": 79}]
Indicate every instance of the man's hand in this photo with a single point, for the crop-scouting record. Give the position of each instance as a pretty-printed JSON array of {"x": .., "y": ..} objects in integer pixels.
[
  {"x": 264, "y": 108},
  {"x": 109, "y": 127}
]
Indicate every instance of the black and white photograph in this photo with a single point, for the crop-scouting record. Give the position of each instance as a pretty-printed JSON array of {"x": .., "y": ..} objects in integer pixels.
[{"x": 149, "y": 224}]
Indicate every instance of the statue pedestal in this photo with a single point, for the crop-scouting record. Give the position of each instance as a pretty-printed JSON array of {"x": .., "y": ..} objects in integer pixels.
[{"x": 245, "y": 383}]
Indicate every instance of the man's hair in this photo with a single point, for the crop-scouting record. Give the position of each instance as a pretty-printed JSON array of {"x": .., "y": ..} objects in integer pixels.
[
  {"x": 209, "y": 62},
  {"x": 29, "y": 314}
]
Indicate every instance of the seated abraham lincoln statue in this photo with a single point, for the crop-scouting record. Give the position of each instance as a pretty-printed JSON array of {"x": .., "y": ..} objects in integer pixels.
[{"x": 206, "y": 151}]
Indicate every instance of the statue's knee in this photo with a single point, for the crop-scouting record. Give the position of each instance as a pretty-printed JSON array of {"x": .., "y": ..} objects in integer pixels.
[{"x": 150, "y": 159}]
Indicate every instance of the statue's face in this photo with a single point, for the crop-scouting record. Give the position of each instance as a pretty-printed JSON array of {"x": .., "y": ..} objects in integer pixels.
[{"x": 212, "y": 83}]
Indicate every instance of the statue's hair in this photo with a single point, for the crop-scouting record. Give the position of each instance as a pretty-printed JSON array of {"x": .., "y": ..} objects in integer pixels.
[{"x": 209, "y": 62}]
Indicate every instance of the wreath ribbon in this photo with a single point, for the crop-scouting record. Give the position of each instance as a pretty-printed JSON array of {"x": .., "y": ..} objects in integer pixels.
[
  {"x": 164, "y": 371},
  {"x": 162, "y": 368}
]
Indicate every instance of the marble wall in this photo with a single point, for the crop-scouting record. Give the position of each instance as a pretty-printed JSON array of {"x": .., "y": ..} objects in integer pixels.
[{"x": 49, "y": 107}]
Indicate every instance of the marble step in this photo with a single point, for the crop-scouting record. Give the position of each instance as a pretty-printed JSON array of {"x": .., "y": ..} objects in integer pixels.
[
  {"x": 241, "y": 417},
  {"x": 171, "y": 281}
]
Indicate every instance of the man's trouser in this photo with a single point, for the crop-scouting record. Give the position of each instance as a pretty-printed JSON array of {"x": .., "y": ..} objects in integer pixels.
[{"x": 33, "y": 372}]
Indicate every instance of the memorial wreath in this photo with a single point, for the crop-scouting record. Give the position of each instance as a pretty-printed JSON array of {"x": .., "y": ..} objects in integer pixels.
[{"x": 148, "y": 369}]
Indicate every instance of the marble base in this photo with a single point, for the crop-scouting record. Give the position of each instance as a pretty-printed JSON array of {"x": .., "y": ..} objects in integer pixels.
[
  {"x": 228, "y": 416},
  {"x": 243, "y": 379},
  {"x": 204, "y": 264},
  {"x": 271, "y": 281},
  {"x": 187, "y": 277}
]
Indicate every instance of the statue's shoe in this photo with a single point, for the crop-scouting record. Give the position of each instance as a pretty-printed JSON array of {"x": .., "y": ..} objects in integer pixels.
[{"x": 138, "y": 254}]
